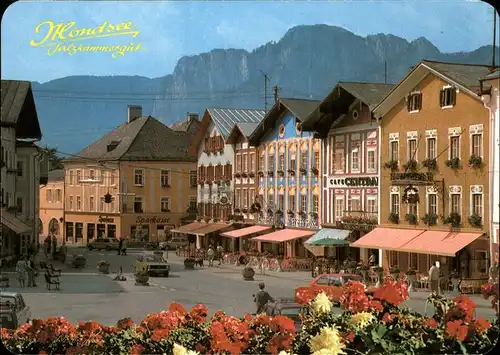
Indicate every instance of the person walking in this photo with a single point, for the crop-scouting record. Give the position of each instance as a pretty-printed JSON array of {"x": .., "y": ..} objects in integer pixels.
[
  {"x": 63, "y": 251},
  {"x": 123, "y": 250},
  {"x": 30, "y": 269},
  {"x": 46, "y": 247},
  {"x": 21, "y": 271},
  {"x": 210, "y": 254},
  {"x": 220, "y": 253},
  {"x": 262, "y": 298},
  {"x": 434, "y": 273},
  {"x": 53, "y": 249},
  {"x": 120, "y": 246}
]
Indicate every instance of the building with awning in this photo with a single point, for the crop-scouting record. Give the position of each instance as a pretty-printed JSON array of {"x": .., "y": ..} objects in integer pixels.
[
  {"x": 284, "y": 238},
  {"x": 188, "y": 228},
  {"x": 239, "y": 237},
  {"x": 327, "y": 238},
  {"x": 13, "y": 223}
]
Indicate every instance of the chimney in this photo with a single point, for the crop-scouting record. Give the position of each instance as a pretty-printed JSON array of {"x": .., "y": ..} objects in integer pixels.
[
  {"x": 276, "y": 97},
  {"x": 133, "y": 112},
  {"x": 192, "y": 116}
]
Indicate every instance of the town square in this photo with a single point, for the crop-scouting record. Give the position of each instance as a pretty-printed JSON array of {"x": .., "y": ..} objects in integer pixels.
[{"x": 325, "y": 190}]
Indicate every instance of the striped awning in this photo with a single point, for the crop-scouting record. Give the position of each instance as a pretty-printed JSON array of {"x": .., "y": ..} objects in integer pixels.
[{"x": 329, "y": 236}]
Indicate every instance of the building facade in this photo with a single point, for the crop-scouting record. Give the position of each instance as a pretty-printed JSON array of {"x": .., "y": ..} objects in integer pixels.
[
  {"x": 491, "y": 99},
  {"x": 245, "y": 171},
  {"x": 289, "y": 170},
  {"x": 144, "y": 167},
  {"x": 434, "y": 183},
  {"x": 52, "y": 207},
  {"x": 351, "y": 158}
]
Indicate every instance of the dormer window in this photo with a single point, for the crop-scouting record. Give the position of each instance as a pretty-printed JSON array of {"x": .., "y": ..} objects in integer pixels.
[
  {"x": 414, "y": 103},
  {"x": 112, "y": 145},
  {"x": 448, "y": 97}
]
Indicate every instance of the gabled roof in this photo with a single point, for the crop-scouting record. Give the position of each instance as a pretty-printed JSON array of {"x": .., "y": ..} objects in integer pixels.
[
  {"x": 143, "y": 139},
  {"x": 368, "y": 93},
  {"x": 493, "y": 75},
  {"x": 19, "y": 110},
  {"x": 300, "y": 108},
  {"x": 244, "y": 129},
  {"x": 225, "y": 118},
  {"x": 464, "y": 76},
  {"x": 56, "y": 175},
  {"x": 186, "y": 124}
]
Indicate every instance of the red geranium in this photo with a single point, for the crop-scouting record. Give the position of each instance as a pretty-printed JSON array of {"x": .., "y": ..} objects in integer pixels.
[
  {"x": 354, "y": 298},
  {"x": 431, "y": 323},
  {"x": 456, "y": 330},
  {"x": 125, "y": 323},
  {"x": 392, "y": 292},
  {"x": 481, "y": 325},
  {"x": 198, "y": 313}
]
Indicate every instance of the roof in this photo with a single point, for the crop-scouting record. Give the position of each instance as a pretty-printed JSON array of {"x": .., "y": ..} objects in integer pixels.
[
  {"x": 185, "y": 124},
  {"x": 55, "y": 175},
  {"x": 143, "y": 139},
  {"x": 19, "y": 109},
  {"x": 244, "y": 129},
  {"x": 465, "y": 76},
  {"x": 300, "y": 108},
  {"x": 225, "y": 118},
  {"x": 369, "y": 93},
  {"x": 493, "y": 75}
]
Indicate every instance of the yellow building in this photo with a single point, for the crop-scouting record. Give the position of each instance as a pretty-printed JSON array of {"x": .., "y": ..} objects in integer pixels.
[
  {"x": 52, "y": 207},
  {"x": 144, "y": 167}
]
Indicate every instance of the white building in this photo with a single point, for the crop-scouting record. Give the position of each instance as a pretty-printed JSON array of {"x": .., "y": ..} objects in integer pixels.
[
  {"x": 491, "y": 99},
  {"x": 21, "y": 167}
]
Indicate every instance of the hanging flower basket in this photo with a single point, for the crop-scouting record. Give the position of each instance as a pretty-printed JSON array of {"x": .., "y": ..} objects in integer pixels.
[{"x": 475, "y": 161}]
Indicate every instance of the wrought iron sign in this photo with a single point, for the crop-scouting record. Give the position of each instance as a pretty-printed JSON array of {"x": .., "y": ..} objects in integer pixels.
[
  {"x": 353, "y": 181},
  {"x": 412, "y": 178}
]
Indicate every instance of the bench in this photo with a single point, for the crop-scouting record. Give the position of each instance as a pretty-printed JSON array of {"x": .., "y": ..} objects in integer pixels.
[{"x": 50, "y": 282}]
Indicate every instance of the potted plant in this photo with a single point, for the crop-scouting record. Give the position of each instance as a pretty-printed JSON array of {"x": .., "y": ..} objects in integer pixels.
[
  {"x": 303, "y": 171},
  {"x": 475, "y": 220},
  {"x": 291, "y": 172},
  {"x": 189, "y": 263},
  {"x": 430, "y": 164},
  {"x": 453, "y": 163},
  {"x": 454, "y": 219},
  {"x": 412, "y": 218},
  {"x": 380, "y": 274},
  {"x": 78, "y": 261},
  {"x": 237, "y": 210},
  {"x": 410, "y": 165},
  {"x": 248, "y": 273},
  {"x": 314, "y": 170},
  {"x": 411, "y": 277},
  {"x": 475, "y": 161},
  {"x": 199, "y": 218},
  {"x": 4, "y": 281},
  {"x": 394, "y": 272},
  {"x": 279, "y": 212},
  {"x": 216, "y": 220},
  {"x": 394, "y": 217},
  {"x": 430, "y": 219},
  {"x": 103, "y": 267},
  {"x": 207, "y": 219},
  {"x": 313, "y": 214},
  {"x": 391, "y": 164}
]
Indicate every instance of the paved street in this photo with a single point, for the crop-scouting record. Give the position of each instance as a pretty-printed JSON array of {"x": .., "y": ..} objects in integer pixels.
[{"x": 86, "y": 295}]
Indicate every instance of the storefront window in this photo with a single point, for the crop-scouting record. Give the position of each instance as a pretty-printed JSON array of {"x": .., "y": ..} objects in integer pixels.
[
  {"x": 78, "y": 231},
  {"x": 90, "y": 231},
  {"x": 111, "y": 231},
  {"x": 133, "y": 232},
  {"x": 101, "y": 230},
  {"x": 69, "y": 231}
]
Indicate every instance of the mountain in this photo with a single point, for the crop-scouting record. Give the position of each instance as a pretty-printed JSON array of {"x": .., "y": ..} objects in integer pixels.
[{"x": 305, "y": 63}]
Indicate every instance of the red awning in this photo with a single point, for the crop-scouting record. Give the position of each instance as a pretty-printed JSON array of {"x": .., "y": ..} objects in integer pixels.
[
  {"x": 245, "y": 231},
  {"x": 210, "y": 228},
  {"x": 439, "y": 242},
  {"x": 284, "y": 235},
  {"x": 387, "y": 238},
  {"x": 189, "y": 227}
]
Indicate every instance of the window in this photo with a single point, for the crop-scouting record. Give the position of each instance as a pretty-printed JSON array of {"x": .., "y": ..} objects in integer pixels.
[
  {"x": 339, "y": 208},
  {"x": 315, "y": 203},
  {"x": 447, "y": 97},
  {"x": 413, "y": 261},
  {"x": 291, "y": 203},
  {"x": 455, "y": 147},
  {"x": 124, "y": 205},
  {"x": 481, "y": 260},
  {"x": 78, "y": 203},
  {"x": 238, "y": 163},
  {"x": 270, "y": 162},
  {"x": 355, "y": 159},
  {"x": 339, "y": 160},
  {"x": 112, "y": 206},
  {"x": 71, "y": 177},
  {"x": 71, "y": 203},
  {"x": 20, "y": 168},
  {"x": 165, "y": 178},
  {"x": 456, "y": 203},
  {"x": 262, "y": 163},
  {"x": 395, "y": 203},
  {"x": 477, "y": 140},
  {"x": 413, "y": 208},
  {"x": 91, "y": 203},
  {"x": 253, "y": 164},
  {"x": 293, "y": 163},
  {"x": 251, "y": 196},
  {"x": 101, "y": 205},
  {"x": 371, "y": 207},
  {"x": 431, "y": 148},
  {"x": 78, "y": 176},
  {"x": 237, "y": 197},
  {"x": 19, "y": 204},
  {"x": 316, "y": 160},
  {"x": 103, "y": 176},
  {"x": 138, "y": 177},
  {"x": 192, "y": 204},
  {"x": 138, "y": 205},
  {"x": 394, "y": 151},
  {"x": 432, "y": 204},
  {"x": 303, "y": 203},
  {"x": 394, "y": 258},
  {"x": 477, "y": 204},
  {"x": 282, "y": 162},
  {"x": 49, "y": 195},
  {"x": 281, "y": 202},
  {"x": 270, "y": 200},
  {"x": 92, "y": 174},
  {"x": 412, "y": 149},
  {"x": 414, "y": 102},
  {"x": 371, "y": 161},
  {"x": 192, "y": 178},
  {"x": 354, "y": 204},
  {"x": 165, "y": 204},
  {"x": 245, "y": 198},
  {"x": 303, "y": 160},
  {"x": 245, "y": 163},
  {"x": 111, "y": 178}
]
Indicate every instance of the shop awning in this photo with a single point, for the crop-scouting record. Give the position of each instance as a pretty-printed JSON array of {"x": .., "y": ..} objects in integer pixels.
[
  {"x": 189, "y": 227},
  {"x": 245, "y": 231},
  {"x": 210, "y": 228},
  {"x": 283, "y": 235},
  {"x": 439, "y": 242},
  {"x": 13, "y": 223},
  {"x": 329, "y": 236},
  {"x": 387, "y": 238}
]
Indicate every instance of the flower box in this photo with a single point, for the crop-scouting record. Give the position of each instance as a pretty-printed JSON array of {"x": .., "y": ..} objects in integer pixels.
[
  {"x": 244, "y": 175},
  {"x": 475, "y": 161},
  {"x": 303, "y": 171},
  {"x": 291, "y": 172},
  {"x": 315, "y": 171},
  {"x": 453, "y": 163},
  {"x": 281, "y": 173},
  {"x": 270, "y": 173},
  {"x": 394, "y": 217},
  {"x": 430, "y": 164},
  {"x": 260, "y": 173},
  {"x": 475, "y": 220},
  {"x": 454, "y": 219},
  {"x": 411, "y": 165},
  {"x": 412, "y": 218},
  {"x": 251, "y": 175},
  {"x": 237, "y": 175},
  {"x": 430, "y": 219},
  {"x": 391, "y": 164}
]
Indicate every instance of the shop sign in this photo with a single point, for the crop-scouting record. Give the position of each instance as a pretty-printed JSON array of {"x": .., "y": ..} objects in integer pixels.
[
  {"x": 360, "y": 181},
  {"x": 411, "y": 178},
  {"x": 103, "y": 219},
  {"x": 152, "y": 219}
]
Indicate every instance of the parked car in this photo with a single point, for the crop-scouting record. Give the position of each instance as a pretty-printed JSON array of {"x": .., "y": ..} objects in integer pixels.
[
  {"x": 104, "y": 243},
  {"x": 157, "y": 266},
  {"x": 331, "y": 282},
  {"x": 286, "y": 307},
  {"x": 13, "y": 310},
  {"x": 174, "y": 243}
]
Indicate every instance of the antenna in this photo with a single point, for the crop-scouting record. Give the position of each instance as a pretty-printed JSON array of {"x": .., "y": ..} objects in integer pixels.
[
  {"x": 385, "y": 71},
  {"x": 276, "y": 90},
  {"x": 266, "y": 80},
  {"x": 494, "y": 37}
]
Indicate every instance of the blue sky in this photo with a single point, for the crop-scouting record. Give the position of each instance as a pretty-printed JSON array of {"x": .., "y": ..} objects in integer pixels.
[{"x": 170, "y": 30}]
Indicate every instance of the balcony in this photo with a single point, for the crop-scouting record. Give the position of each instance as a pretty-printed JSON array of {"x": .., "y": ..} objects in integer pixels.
[{"x": 358, "y": 221}]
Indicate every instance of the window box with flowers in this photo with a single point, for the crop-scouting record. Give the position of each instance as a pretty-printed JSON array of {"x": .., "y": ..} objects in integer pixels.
[
  {"x": 358, "y": 223},
  {"x": 430, "y": 219},
  {"x": 237, "y": 175},
  {"x": 315, "y": 171},
  {"x": 290, "y": 212},
  {"x": 313, "y": 214},
  {"x": 281, "y": 173},
  {"x": 412, "y": 218},
  {"x": 411, "y": 165},
  {"x": 252, "y": 174},
  {"x": 453, "y": 163},
  {"x": 270, "y": 173},
  {"x": 454, "y": 219},
  {"x": 237, "y": 210},
  {"x": 475, "y": 161},
  {"x": 475, "y": 220},
  {"x": 291, "y": 172},
  {"x": 430, "y": 164},
  {"x": 302, "y": 213},
  {"x": 244, "y": 210},
  {"x": 270, "y": 211},
  {"x": 391, "y": 164},
  {"x": 303, "y": 171},
  {"x": 260, "y": 173},
  {"x": 279, "y": 213},
  {"x": 394, "y": 217},
  {"x": 244, "y": 175}
]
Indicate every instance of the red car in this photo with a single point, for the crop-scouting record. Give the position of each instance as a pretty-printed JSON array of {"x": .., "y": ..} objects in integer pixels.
[{"x": 331, "y": 284}]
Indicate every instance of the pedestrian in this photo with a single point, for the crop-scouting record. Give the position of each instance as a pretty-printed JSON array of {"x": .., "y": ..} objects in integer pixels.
[
  {"x": 210, "y": 254},
  {"x": 262, "y": 298},
  {"x": 371, "y": 260},
  {"x": 123, "y": 250},
  {"x": 21, "y": 271},
  {"x": 30, "y": 268},
  {"x": 29, "y": 248},
  {"x": 434, "y": 278},
  {"x": 63, "y": 251},
  {"x": 53, "y": 245},
  {"x": 220, "y": 253},
  {"x": 46, "y": 247},
  {"x": 120, "y": 246}
]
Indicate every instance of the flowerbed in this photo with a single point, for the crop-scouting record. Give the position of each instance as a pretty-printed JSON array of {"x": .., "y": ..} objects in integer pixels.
[{"x": 369, "y": 324}]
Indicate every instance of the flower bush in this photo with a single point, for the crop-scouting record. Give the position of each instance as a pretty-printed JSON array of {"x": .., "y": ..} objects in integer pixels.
[{"x": 371, "y": 322}]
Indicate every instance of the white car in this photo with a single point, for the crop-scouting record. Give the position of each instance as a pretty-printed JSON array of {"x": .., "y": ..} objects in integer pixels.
[
  {"x": 173, "y": 243},
  {"x": 14, "y": 311}
]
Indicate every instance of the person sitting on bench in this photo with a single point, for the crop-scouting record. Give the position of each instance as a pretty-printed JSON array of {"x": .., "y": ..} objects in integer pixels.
[{"x": 49, "y": 282}]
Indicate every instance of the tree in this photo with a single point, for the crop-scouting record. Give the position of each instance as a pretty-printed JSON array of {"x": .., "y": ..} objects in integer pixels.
[{"x": 54, "y": 159}]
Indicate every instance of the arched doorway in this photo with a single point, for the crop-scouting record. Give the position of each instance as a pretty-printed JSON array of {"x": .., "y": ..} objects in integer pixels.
[{"x": 54, "y": 227}]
